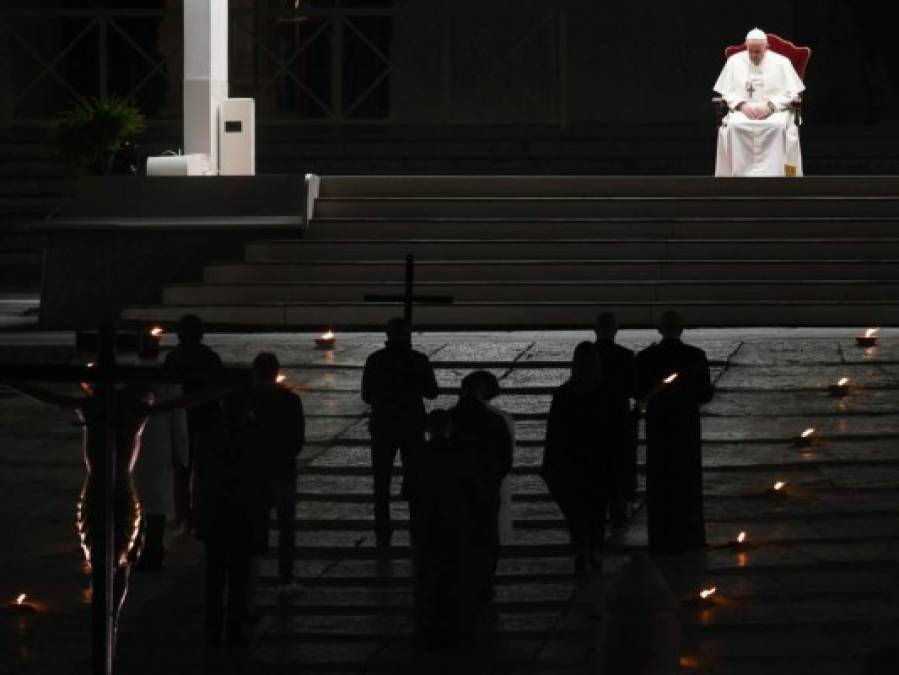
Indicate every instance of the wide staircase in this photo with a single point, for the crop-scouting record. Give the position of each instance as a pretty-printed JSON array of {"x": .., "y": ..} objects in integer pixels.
[{"x": 546, "y": 251}]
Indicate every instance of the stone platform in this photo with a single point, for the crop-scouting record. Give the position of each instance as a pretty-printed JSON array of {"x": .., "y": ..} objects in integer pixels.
[{"x": 816, "y": 592}]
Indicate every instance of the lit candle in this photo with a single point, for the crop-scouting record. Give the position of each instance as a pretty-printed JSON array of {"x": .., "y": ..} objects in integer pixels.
[
  {"x": 740, "y": 542},
  {"x": 671, "y": 378},
  {"x": 281, "y": 379},
  {"x": 87, "y": 387},
  {"x": 807, "y": 438},
  {"x": 21, "y": 606},
  {"x": 779, "y": 486},
  {"x": 706, "y": 593},
  {"x": 869, "y": 339},
  {"x": 840, "y": 389},
  {"x": 148, "y": 347},
  {"x": 326, "y": 340}
]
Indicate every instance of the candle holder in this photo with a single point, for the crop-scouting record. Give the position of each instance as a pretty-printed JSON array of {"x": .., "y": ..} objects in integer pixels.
[
  {"x": 840, "y": 389},
  {"x": 148, "y": 347},
  {"x": 741, "y": 543},
  {"x": 869, "y": 339},
  {"x": 807, "y": 439},
  {"x": 21, "y": 606},
  {"x": 326, "y": 340},
  {"x": 705, "y": 598}
]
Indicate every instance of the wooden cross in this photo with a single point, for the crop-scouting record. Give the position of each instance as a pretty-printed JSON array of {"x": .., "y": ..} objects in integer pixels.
[
  {"x": 105, "y": 371},
  {"x": 408, "y": 298}
]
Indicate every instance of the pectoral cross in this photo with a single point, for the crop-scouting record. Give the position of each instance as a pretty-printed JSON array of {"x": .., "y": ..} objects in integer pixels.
[{"x": 750, "y": 87}]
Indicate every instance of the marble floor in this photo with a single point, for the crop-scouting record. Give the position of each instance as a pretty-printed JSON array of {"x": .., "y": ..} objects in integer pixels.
[{"x": 817, "y": 590}]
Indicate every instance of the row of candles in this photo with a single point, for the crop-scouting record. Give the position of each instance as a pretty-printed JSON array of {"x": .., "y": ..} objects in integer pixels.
[
  {"x": 328, "y": 340},
  {"x": 706, "y": 596}
]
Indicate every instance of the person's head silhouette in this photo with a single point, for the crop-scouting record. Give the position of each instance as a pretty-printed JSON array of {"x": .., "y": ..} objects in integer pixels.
[
  {"x": 190, "y": 330},
  {"x": 606, "y": 326},
  {"x": 399, "y": 331},
  {"x": 481, "y": 385},
  {"x": 265, "y": 368},
  {"x": 671, "y": 325}
]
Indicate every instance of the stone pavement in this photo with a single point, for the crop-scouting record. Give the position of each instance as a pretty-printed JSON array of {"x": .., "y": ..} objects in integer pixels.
[{"x": 815, "y": 592}]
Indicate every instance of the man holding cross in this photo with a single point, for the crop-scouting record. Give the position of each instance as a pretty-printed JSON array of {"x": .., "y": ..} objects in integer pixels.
[{"x": 394, "y": 382}]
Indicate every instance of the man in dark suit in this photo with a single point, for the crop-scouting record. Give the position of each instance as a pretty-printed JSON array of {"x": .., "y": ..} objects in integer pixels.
[
  {"x": 673, "y": 381},
  {"x": 279, "y": 431},
  {"x": 394, "y": 382},
  {"x": 619, "y": 378}
]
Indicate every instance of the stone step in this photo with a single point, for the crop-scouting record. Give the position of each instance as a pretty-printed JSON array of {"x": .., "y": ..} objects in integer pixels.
[
  {"x": 573, "y": 228},
  {"x": 602, "y": 186},
  {"x": 607, "y": 207},
  {"x": 518, "y": 291},
  {"x": 579, "y": 269},
  {"x": 820, "y": 250},
  {"x": 296, "y": 316}
]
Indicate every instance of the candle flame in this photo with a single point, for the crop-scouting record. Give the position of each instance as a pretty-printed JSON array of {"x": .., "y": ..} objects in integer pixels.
[
  {"x": 157, "y": 331},
  {"x": 281, "y": 378},
  {"x": 871, "y": 332},
  {"x": 92, "y": 364},
  {"x": 808, "y": 432},
  {"x": 741, "y": 537},
  {"x": 706, "y": 592},
  {"x": 671, "y": 378},
  {"x": 21, "y": 599},
  {"x": 329, "y": 335},
  {"x": 779, "y": 485},
  {"x": 843, "y": 382}
]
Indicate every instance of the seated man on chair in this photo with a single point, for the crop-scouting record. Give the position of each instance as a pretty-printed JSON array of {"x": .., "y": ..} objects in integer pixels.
[{"x": 759, "y": 136}]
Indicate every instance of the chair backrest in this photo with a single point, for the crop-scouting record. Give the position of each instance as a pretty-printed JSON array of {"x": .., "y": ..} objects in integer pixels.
[{"x": 798, "y": 55}]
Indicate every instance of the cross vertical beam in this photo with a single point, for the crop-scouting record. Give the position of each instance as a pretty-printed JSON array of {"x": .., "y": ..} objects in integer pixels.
[
  {"x": 103, "y": 564},
  {"x": 409, "y": 290},
  {"x": 409, "y": 298}
]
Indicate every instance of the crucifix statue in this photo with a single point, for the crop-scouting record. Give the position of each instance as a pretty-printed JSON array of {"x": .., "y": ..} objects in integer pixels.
[
  {"x": 113, "y": 410},
  {"x": 408, "y": 298}
]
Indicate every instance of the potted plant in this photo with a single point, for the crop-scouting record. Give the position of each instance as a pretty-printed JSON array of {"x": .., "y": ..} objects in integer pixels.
[{"x": 95, "y": 133}]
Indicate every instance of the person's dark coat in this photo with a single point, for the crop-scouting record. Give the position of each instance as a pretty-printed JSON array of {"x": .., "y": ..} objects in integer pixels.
[
  {"x": 674, "y": 443},
  {"x": 577, "y": 464},
  {"x": 619, "y": 376},
  {"x": 394, "y": 382},
  {"x": 278, "y": 423}
]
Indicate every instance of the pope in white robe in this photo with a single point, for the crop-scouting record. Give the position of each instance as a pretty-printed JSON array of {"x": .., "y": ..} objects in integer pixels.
[{"x": 759, "y": 136}]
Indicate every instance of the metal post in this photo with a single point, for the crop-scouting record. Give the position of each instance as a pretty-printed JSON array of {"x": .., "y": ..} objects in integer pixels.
[
  {"x": 103, "y": 537},
  {"x": 408, "y": 295}
]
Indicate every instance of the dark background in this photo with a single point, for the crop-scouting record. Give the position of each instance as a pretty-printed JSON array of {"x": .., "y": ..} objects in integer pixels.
[{"x": 488, "y": 85}]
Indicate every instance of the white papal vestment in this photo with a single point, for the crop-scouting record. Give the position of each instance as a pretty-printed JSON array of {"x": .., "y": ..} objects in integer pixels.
[{"x": 768, "y": 147}]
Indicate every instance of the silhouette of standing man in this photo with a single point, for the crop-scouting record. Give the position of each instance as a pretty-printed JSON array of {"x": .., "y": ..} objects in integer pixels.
[
  {"x": 673, "y": 438},
  {"x": 200, "y": 366},
  {"x": 394, "y": 382},
  {"x": 619, "y": 379}
]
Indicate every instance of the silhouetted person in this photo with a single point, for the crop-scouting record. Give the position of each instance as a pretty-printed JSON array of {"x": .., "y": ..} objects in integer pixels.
[
  {"x": 673, "y": 438},
  {"x": 577, "y": 466},
  {"x": 443, "y": 544},
  {"x": 482, "y": 440},
  {"x": 164, "y": 445},
  {"x": 505, "y": 487},
  {"x": 279, "y": 425},
  {"x": 619, "y": 377},
  {"x": 231, "y": 516},
  {"x": 200, "y": 367},
  {"x": 394, "y": 382}
]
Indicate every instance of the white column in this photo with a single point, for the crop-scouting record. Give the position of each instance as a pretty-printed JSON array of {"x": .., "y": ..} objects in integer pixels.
[{"x": 205, "y": 76}]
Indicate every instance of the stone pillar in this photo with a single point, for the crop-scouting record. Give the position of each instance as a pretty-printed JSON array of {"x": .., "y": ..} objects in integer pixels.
[{"x": 205, "y": 76}]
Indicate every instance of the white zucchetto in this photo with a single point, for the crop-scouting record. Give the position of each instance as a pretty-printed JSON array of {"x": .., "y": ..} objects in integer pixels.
[{"x": 756, "y": 34}]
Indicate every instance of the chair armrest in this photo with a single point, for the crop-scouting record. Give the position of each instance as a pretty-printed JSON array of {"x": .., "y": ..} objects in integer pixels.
[{"x": 721, "y": 109}]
